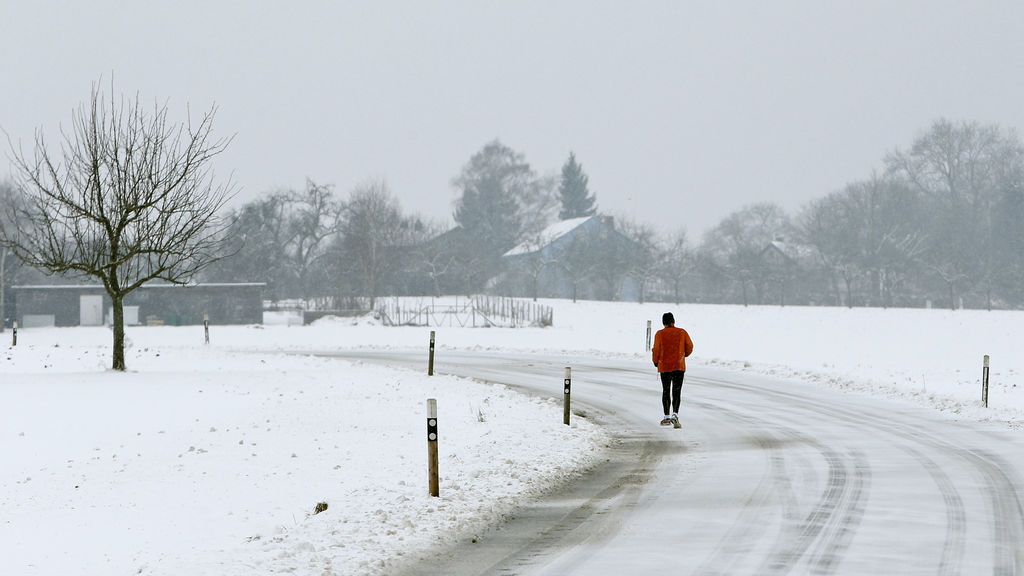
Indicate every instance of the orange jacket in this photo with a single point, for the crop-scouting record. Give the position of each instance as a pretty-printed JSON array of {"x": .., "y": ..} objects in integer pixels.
[{"x": 671, "y": 347}]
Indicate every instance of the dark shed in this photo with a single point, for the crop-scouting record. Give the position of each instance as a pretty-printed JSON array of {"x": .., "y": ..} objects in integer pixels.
[{"x": 152, "y": 304}]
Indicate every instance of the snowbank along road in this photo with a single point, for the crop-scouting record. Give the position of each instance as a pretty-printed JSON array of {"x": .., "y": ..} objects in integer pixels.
[{"x": 766, "y": 477}]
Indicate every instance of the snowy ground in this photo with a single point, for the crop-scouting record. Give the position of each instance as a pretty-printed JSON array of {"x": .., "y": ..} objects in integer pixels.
[
  {"x": 186, "y": 465},
  {"x": 201, "y": 461},
  {"x": 930, "y": 357}
]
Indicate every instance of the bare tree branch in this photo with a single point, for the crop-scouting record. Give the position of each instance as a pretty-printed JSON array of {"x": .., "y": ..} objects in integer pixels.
[{"x": 126, "y": 198}]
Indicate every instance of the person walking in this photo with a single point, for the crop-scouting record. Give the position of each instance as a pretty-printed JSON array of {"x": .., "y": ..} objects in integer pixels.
[{"x": 671, "y": 347}]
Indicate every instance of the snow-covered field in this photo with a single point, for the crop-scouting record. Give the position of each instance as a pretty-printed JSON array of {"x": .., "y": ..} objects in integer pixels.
[
  {"x": 202, "y": 461},
  {"x": 931, "y": 357},
  {"x": 209, "y": 460}
]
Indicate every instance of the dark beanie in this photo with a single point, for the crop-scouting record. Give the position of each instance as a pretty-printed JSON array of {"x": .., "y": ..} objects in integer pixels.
[{"x": 667, "y": 318}]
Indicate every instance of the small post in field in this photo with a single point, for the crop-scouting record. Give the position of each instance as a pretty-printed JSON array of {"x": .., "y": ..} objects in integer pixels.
[
  {"x": 206, "y": 327},
  {"x": 984, "y": 383},
  {"x": 648, "y": 348},
  {"x": 568, "y": 391},
  {"x": 430, "y": 362},
  {"x": 14, "y": 338},
  {"x": 432, "y": 475}
]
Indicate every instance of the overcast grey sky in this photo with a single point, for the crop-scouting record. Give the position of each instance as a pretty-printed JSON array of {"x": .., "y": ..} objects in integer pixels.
[{"x": 680, "y": 111}]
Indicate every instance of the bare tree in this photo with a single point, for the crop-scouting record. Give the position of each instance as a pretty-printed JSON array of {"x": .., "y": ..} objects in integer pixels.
[
  {"x": 538, "y": 205},
  {"x": 643, "y": 253},
  {"x": 579, "y": 261},
  {"x": 959, "y": 167},
  {"x": 256, "y": 245},
  {"x": 127, "y": 197},
  {"x": 283, "y": 239},
  {"x": 372, "y": 233},
  {"x": 313, "y": 217},
  {"x": 680, "y": 261},
  {"x": 829, "y": 229},
  {"x": 737, "y": 241},
  {"x": 536, "y": 260},
  {"x": 435, "y": 257}
]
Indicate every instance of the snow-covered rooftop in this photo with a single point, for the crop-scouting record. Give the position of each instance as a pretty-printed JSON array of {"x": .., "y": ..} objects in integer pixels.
[
  {"x": 793, "y": 250},
  {"x": 547, "y": 236}
]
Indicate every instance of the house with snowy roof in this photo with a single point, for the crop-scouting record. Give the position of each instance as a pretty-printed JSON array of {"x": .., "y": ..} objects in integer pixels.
[
  {"x": 577, "y": 258},
  {"x": 782, "y": 252},
  {"x": 788, "y": 273}
]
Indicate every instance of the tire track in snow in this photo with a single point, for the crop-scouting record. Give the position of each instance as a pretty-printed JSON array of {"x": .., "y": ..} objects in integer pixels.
[
  {"x": 591, "y": 520},
  {"x": 1007, "y": 512},
  {"x": 1008, "y": 536},
  {"x": 956, "y": 522},
  {"x": 622, "y": 494},
  {"x": 825, "y": 554},
  {"x": 826, "y": 531},
  {"x": 1007, "y": 522},
  {"x": 816, "y": 534},
  {"x": 842, "y": 528},
  {"x": 751, "y": 525}
]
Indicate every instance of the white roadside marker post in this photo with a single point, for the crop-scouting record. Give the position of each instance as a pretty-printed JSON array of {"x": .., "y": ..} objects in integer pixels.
[
  {"x": 568, "y": 388},
  {"x": 648, "y": 347},
  {"x": 984, "y": 383},
  {"x": 432, "y": 475},
  {"x": 430, "y": 362},
  {"x": 206, "y": 328}
]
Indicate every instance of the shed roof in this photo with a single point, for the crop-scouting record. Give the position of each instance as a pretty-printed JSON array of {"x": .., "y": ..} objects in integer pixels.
[{"x": 548, "y": 235}]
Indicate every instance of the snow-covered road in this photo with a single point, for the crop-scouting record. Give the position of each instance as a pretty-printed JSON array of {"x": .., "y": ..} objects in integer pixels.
[{"x": 766, "y": 477}]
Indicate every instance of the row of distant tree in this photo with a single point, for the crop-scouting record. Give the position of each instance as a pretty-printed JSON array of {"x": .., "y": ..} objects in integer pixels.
[
  {"x": 314, "y": 243},
  {"x": 129, "y": 197},
  {"x": 940, "y": 221}
]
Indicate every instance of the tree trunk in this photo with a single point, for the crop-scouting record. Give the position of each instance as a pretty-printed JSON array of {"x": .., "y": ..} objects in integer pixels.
[
  {"x": 574, "y": 285},
  {"x": 118, "y": 306},
  {"x": 952, "y": 296},
  {"x": 837, "y": 294},
  {"x": 675, "y": 289},
  {"x": 744, "y": 294},
  {"x": 883, "y": 288},
  {"x": 372, "y": 289},
  {"x": 3, "y": 284}
]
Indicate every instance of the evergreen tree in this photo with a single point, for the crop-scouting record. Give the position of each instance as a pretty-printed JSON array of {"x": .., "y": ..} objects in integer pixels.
[
  {"x": 577, "y": 201},
  {"x": 496, "y": 186},
  {"x": 493, "y": 185}
]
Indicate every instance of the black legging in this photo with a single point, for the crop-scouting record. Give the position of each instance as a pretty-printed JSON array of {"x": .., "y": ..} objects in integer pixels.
[{"x": 675, "y": 379}]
